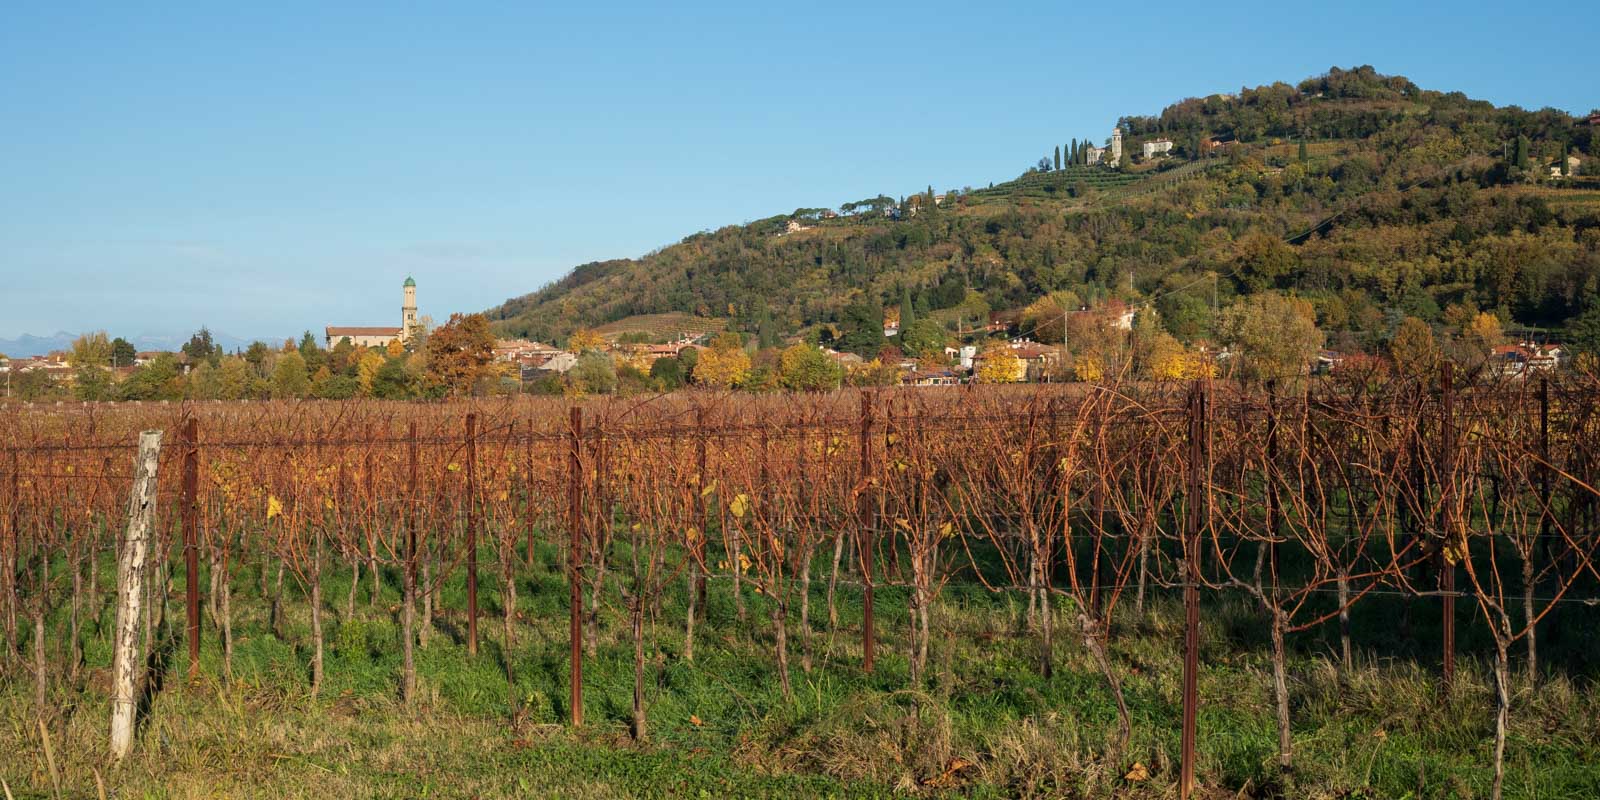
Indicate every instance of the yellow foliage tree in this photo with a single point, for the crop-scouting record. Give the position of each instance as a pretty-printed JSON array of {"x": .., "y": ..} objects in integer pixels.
[
  {"x": 585, "y": 339},
  {"x": 722, "y": 367},
  {"x": 1167, "y": 360},
  {"x": 874, "y": 373},
  {"x": 1484, "y": 332},
  {"x": 367, "y": 367},
  {"x": 1000, "y": 365}
]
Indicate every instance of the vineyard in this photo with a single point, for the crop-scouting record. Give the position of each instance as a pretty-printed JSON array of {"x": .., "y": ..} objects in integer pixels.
[
  {"x": 1058, "y": 184},
  {"x": 1352, "y": 588}
]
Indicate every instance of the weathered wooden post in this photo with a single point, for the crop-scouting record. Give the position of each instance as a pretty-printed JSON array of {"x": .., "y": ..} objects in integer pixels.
[
  {"x": 699, "y": 568},
  {"x": 472, "y": 534},
  {"x": 408, "y": 668},
  {"x": 130, "y": 591},
  {"x": 575, "y": 563},
  {"x": 191, "y": 539},
  {"x": 1191, "y": 585}
]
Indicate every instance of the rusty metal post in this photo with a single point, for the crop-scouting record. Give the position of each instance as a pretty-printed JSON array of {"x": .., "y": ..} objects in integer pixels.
[
  {"x": 575, "y": 562},
  {"x": 472, "y": 534},
  {"x": 191, "y": 539},
  {"x": 1447, "y": 570},
  {"x": 1191, "y": 585},
  {"x": 864, "y": 539}
]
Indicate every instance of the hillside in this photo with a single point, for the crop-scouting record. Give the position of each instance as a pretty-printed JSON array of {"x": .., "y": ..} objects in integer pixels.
[{"x": 1364, "y": 194}]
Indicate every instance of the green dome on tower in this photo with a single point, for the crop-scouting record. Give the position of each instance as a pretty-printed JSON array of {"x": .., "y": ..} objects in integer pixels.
[{"x": 409, "y": 282}]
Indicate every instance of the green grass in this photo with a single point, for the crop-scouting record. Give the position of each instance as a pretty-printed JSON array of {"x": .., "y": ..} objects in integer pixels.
[{"x": 720, "y": 727}]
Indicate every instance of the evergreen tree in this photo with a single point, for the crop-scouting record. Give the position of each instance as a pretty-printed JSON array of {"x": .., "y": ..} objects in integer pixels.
[
  {"x": 766, "y": 328},
  {"x": 908, "y": 310},
  {"x": 1074, "y": 150},
  {"x": 1520, "y": 152},
  {"x": 1058, "y": 156},
  {"x": 1303, "y": 155}
]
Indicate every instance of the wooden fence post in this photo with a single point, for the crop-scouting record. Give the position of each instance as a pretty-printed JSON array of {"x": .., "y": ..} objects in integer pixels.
[
  {"x": 575, "y": 563},
  {"x": 408, "y": 667},
  {"x": 1191, "y": 585},
  {"x": 700, "y": 511},
  {"x": 130, "y": 591},
  {"x": 191, "y": 539},
  {"x": 472, "y": 535}
]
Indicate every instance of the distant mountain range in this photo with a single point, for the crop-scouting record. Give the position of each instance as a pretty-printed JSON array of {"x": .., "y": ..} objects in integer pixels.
[{"x": 30, "y": 345}]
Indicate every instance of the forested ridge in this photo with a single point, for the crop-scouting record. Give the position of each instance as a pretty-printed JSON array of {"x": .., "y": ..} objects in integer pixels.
[{"x": 1366, "y": 196}]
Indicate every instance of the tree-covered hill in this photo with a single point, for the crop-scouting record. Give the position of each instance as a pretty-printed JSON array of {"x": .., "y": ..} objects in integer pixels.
[{"x": 1361, "y": 193}]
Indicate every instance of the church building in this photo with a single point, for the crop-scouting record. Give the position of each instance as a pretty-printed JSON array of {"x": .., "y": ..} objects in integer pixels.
[{"x": 379, "y": 336}]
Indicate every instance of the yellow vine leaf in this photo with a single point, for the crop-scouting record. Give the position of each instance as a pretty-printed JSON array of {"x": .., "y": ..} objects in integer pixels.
[
  {"x": 274, "y": 507},
  {"x": 945, "y": 530},
  {"x": 739, "y": 505},
  {"x": 691, "y": 534},
  {"x": 709, "y": 488}
]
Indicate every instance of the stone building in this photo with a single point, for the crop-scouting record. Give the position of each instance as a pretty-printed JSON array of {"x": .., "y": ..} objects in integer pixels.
[{"x": 380, "y": 336}]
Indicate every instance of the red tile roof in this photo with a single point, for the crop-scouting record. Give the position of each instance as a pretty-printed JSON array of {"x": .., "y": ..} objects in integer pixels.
[{"x": 339, "y": 330}]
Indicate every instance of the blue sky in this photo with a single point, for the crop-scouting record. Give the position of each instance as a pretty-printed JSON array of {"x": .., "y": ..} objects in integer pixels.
[{"x": 269, "y": 168}]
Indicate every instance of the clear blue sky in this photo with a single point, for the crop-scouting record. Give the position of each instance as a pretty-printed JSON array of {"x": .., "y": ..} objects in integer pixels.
[{"x": 268, "y": 168}]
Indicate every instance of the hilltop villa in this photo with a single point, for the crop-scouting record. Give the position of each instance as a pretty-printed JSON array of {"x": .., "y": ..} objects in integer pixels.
[
  {"x": 1110, "y": 156},
  {"x": 379, "y": 336}
]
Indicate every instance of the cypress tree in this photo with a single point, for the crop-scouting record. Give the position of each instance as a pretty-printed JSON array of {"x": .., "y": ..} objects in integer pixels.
[
  {"x": 1303, "y": 157},
  {"x": 908, "y": 311},
  {"x": 1058, "y": 156},
  {"x": 1074, "y": 150}
]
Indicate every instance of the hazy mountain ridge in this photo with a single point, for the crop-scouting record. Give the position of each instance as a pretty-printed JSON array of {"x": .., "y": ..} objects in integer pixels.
[{"x": 28, "y": 344}]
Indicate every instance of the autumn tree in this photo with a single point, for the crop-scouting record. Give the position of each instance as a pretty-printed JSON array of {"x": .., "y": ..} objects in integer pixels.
[
  {"x": 802, "y": 367},
  {"x": 724, "y": 365},
  {"x": 584, "y": 339},
  {"x": 1273, "y": 335},
  {"x": 593, "y": 374},
  {"x": 459, "y": 352},
  {"x": 290, "y": 378},
  {"x": 90, "y": 350},
  {"x": 998, "y": 364},
  {"x": 1413, "y": 348}
]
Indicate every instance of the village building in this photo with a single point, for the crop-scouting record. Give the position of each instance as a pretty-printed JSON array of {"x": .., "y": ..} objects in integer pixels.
[
  {"x": 1523, "y": 358},
  {"x": 1157, "y": 147},
  {"x": 1110, "y": 156},
  {"x": 379, "y": 336},
  {"x": 523, "y": 351},
  {"x": 943, "y": 377}
]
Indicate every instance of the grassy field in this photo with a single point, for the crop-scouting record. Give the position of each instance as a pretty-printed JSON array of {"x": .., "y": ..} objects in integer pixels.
[{"x": 982, "y": 724}]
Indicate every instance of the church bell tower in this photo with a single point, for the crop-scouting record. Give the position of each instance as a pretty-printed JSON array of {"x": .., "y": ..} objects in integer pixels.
[{"x": 408, "y": 310}]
